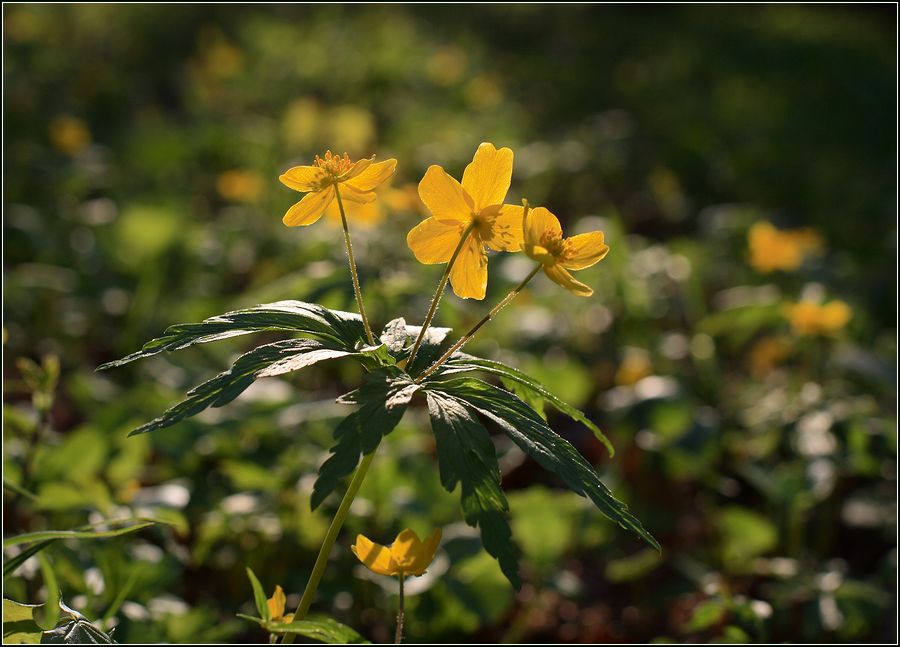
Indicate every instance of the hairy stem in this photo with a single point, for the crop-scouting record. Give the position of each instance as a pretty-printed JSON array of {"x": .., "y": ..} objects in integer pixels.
[
  {"x": 398, "y": 637},
  {"x": 322, "y": 560},
  {"x": 497, "y": 308},
  {"x": 439, "y": 293},
  {"x": 353, "y": 274}
]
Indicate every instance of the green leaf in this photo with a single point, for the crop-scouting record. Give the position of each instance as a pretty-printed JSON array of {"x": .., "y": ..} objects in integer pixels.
[
  {"x": 321, "y": 628},
  {"x": 19, "y": 626},
  {"x": 264, "y": 361},
  {"x": 394, "y": 335},
  {"x": 529, "y": 431},
  {"x": 430, "y": 349},
  {"x": 259, "y": 596},
  {"x": 466, "y": 456},
  {"x": 382, "y": 401},
  {"x": 78, "y": 631},
  {"x": 86, "y": 532},
  {"x": 52, "y": 586},
  {"x": 343, "y": 328},
  {"x": 462, "y": 362},
  {"x": 10, "y": 565}
]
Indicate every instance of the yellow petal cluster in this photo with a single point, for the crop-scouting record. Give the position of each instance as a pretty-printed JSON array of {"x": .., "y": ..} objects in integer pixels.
[
  {"x": 774, "y": 249},
  {"x": 408, "y": 555},
  {"x": 454, "y": 206},
  {"x": 810, "y": 318},
  {"x": 358, "y": 181},
  {"x": 276, "y": 607},
  {"x": 544, "y": 242}
]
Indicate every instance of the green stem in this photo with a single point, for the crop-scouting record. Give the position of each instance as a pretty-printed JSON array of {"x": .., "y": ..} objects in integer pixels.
[
  {"x": 322, "y": 560},
  {"x": 398, "y": 638},
  {"x": 497, "y": 308},
  {"x": 439, "y": 292},
  {"x": 353, "y": 274}
]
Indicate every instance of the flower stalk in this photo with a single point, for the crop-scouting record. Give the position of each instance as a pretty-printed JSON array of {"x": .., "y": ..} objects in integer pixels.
[
  {"x": 398, "y": 637},
  {"x": 439, "y": 292},
  {"x": 353, "y": 274},
  {"x": 330, "y": 537},
  {"x": 474, "y": 329}
]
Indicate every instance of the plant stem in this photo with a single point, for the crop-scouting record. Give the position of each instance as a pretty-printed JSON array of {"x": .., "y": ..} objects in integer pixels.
[
  {"x": 398, "y": 638},
  {"x": 497, "y": 308},
  {"x": 439, "y": 293},
  {"x": 353, "y": 274},
  {"x": 322, "y": 560}
]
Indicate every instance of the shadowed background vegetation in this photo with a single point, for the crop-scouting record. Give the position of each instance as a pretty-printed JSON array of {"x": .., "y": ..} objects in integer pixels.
[{"x": 142, "y": 146}]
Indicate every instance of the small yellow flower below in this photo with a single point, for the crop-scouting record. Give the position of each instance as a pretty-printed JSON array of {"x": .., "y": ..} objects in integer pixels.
[
  {"x": 239, "y": 186},
  {"x": 810, "y": 318},
  {"x": 276, "y": 607},
  {"x": 358, "y": 182},
  {"x": 408, "y": 555},
  {"x": 774, "y": 249},
  {"x": 69, "y": 135},
  {"x": 544, "y": 243}
]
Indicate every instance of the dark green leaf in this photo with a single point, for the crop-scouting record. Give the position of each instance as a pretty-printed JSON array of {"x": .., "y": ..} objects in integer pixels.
[
  {"x": 529, "y": 431},
  {"x": 430, "y": 349},
  {"x": 264, "y": 361},
  {"x": 259, "y": 596},
  {"x": 382, "y": 401},
  {"x": 342, "y": 328},
  {"x": 322, "y": 628},
  {"x": 10, "y": 565},
  {"x": 461, "y": 363},
  {"x": 466, "y": 456}
]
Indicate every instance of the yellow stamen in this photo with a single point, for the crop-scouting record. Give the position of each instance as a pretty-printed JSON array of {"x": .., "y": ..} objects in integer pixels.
[{"x": 334, "y": 164}]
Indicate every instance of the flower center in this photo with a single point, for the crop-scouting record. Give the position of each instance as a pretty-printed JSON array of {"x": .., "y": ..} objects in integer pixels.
[
  {"x": 334, "y": 164},
  {"x": 554, "y": 243}
]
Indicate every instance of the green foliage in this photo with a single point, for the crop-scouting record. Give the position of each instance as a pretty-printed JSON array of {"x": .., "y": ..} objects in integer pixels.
[
  {"x": 466, "y": 456},
  {"x": 529, "y": 431}
]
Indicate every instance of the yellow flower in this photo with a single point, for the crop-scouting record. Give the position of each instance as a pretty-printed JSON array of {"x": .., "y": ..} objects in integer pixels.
[
  {"x": 478, "y": 201},
  {"x": 766, "y": 355},
  {"x": 276, "y": 607},
  {"x": 239, "y": 186},
  {"x": 775, "y": 249},
  {"x": 358, "y": 181},
  {"x": 404, "y": 199},
  {"x": 810, "y": 318},
  {"x": 69, "y": 134},
  {"x": 544, "y": 243},
  {"x": 408, "y": 555}
]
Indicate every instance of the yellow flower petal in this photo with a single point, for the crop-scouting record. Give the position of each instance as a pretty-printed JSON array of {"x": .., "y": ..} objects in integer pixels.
[
  {"x": 309, "y": 209},
  {"x": 376, "y": 557},
  {"x": 486, "y": 179},
  {"x": 584, "y": 250},
  {"x": 469, "y": 274},
  {"x": 352, "y": 194},
  {"x": 505, "y": 229},
  {"x": 444, "y": 196},
  {"x": 373, "y": 175},
  {"x": 276, "y": 603},
  {"x": 559, "y": 274},
  {"x": 538, "y": 222},
  {"x": 356, "y": 169},
  {"x": 406, "y": 550},
  {"x": 304, "y": 178},
  {"x": 426, "y": 556},
  {"x": 434, "y": 241}
]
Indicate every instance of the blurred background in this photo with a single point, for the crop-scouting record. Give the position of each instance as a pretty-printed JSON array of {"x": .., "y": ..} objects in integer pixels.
[{"x": 740, "y": 347}]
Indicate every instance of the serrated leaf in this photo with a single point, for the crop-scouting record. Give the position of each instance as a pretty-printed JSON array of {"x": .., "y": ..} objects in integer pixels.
[
  {"x": 19, "y": 626},
  {"x": 462, "y": 363},
  {"x": 259, "y": 596},
  {"x": 382, "y": 400},
  {"x": 466, "y": 456},
  {"x": 529, "y": 431},
  {"x": 321, "y": 628},
  {"x": 264, "y": 361},
  {"x": 342, "y": 328},
  {"x": 394, "y": 335}
]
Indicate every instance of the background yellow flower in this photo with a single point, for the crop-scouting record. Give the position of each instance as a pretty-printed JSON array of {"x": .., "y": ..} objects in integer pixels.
[{"x": 408, "y": 555}]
